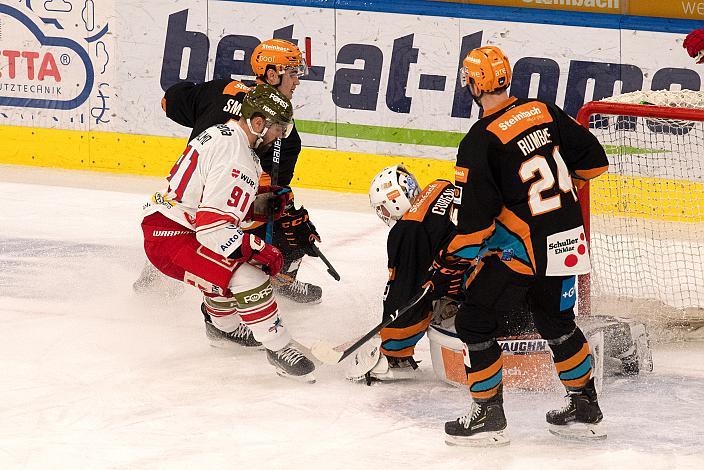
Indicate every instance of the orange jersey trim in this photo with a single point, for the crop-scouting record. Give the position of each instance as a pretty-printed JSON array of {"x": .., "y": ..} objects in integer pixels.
[
  {"x": 424, "y": 200},
  {"x": 518, "y": 120},
  {"x": 235, "y": 87},
  {"x": 462, "y": 240},
  {"x": 521, "y": 229},
  {"x": 589, "y": 174}
]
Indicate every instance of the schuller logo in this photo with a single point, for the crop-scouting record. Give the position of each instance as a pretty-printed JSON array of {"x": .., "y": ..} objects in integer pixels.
[
  {"x": 568, "y": 253},
  {"x": 39, "y": 69}
]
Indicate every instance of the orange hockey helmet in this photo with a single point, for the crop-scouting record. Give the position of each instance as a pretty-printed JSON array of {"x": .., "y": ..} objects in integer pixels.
[
  {"x": 488, "y": 67},
  {"x": 281, "y": 54}
]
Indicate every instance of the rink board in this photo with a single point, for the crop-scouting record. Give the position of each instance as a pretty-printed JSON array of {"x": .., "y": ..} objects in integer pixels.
[{"x": 384, "y": 87}]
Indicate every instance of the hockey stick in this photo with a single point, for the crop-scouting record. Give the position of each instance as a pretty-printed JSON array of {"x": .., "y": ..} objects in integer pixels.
[
  {"x": 274, "y": 179},
  {"x": 328, "y": 354},
  {"x": 331, "y": 270},
  {"x": 275, "y": 166}
]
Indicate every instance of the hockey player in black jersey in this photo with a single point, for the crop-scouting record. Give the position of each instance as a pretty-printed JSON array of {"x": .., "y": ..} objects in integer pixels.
[
  {"x": 198, "y": 106},
  {"x": 420, "y": 221},
  {"x": 518, "y": 214}
]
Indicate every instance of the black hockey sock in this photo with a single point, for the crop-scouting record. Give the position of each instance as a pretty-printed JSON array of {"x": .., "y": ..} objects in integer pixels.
[
  {"x": 573, "y": 360},
  {"x": 484, "y": 373}
]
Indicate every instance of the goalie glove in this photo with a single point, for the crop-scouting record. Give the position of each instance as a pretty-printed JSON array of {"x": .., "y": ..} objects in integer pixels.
[
  {"x": 255, "y": 249},
  {"x": 299, "y": 232},
  {"x": 271, "y": 201},
  {"x": 444, "y": 280}
]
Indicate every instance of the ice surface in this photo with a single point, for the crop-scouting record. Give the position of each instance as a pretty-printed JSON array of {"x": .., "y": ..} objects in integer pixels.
[{"x": 94, "y": 376}]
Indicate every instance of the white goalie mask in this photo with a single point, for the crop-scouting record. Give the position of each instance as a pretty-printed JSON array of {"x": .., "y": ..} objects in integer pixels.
[{"x": 392, "y": 192}]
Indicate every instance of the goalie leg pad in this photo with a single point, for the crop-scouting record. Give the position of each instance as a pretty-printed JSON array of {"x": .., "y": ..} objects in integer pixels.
[
  {"x": 370, "y": 365},
  {"x": 627, "y": 348}
]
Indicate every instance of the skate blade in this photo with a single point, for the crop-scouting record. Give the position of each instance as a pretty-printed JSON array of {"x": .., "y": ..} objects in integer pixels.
[
  {"x": 579, "y": 431},
  {"x": 308, "y": 378},
  {"x": 232, "y": 346},
  {"x": 484, "y": 439},
  {"x": 390, "y": 376}
]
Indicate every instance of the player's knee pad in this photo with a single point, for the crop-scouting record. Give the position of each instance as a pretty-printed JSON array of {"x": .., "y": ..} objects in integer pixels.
[{"x": 246, "y": 278}]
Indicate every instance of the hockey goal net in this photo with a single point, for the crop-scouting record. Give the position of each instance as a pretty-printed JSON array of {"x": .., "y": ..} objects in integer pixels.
[{"x": 646, "y": 214}]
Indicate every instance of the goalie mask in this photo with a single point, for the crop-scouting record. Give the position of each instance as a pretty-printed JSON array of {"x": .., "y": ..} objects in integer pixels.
[{"x": 392, "y": 192}]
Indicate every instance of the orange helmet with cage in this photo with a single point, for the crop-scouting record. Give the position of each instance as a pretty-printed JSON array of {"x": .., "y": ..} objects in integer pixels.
[
  {"x": 488, "y": 67},
  {"x": 279, "y": 53}
]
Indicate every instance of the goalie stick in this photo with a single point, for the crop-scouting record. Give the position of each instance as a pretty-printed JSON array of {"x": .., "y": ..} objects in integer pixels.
[{"x": 328, "y": 354}]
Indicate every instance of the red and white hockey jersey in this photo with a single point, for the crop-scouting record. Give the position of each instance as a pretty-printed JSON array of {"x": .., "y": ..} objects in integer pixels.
[{"x": 211, "y": 187}]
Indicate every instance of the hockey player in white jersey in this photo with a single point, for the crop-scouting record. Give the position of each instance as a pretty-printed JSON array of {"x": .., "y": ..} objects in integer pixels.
[{"x": 193, "y": 231}]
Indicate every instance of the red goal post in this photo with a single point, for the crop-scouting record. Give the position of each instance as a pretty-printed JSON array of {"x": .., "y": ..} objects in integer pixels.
[{"x": 649, "y": 206}]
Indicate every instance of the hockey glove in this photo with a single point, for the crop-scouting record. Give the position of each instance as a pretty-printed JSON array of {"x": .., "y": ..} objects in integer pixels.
[
  {"x": 694, "y": 43},
  {"x": 271, "y": 201},
  {"x": 255, "y": 249},
  {"x": 444, "y": 280},
  {"x": 299, "y": 232}
]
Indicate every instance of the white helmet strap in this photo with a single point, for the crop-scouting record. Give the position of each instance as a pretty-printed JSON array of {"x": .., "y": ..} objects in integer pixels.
[{"x": 260, "y": 135}]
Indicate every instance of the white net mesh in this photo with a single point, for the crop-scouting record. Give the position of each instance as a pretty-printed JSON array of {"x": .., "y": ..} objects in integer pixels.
[{"x": 647, "y": 212}]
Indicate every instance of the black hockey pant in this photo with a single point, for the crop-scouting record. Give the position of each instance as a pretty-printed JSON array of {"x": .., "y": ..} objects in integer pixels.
[{"x": 494, "y": 292}]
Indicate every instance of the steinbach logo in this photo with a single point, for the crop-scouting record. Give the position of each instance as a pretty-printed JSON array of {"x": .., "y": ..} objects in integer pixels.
[
  {"x": 505, "y": 125},
  {"x": 271, "y": 47},
  {"x": 424, "y": 196},
  {"x": 34, "y": 67}
]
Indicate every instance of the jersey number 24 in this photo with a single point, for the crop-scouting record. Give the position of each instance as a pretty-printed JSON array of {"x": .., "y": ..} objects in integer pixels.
[{"x": 538, "y": 166}]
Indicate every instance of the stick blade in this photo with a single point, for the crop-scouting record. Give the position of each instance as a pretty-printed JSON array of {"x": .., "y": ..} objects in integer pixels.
[{"x": 326, "y": 352}]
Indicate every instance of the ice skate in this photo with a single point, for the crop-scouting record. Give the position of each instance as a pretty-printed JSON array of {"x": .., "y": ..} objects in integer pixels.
[
  {"x": 580, "y": 418},
  {"x": 293, "y": 289},
  {"x": 286, "y": 285},
  {"x": 242, "y": 336},
  {"x": 152, "y": 282},
  {"x": 290, "y": 362},
  {"x": 482, "y": 426}
]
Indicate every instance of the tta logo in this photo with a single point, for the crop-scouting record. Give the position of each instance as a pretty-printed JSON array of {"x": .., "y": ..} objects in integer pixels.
[{"x": 36, "y": 68}]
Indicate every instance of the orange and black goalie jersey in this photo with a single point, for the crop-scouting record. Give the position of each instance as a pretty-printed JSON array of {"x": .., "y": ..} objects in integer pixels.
[
  {"x": 216, "y": 102},
  {"x": 516, "y": 173},
  {"x": 412, "y": 243}
]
